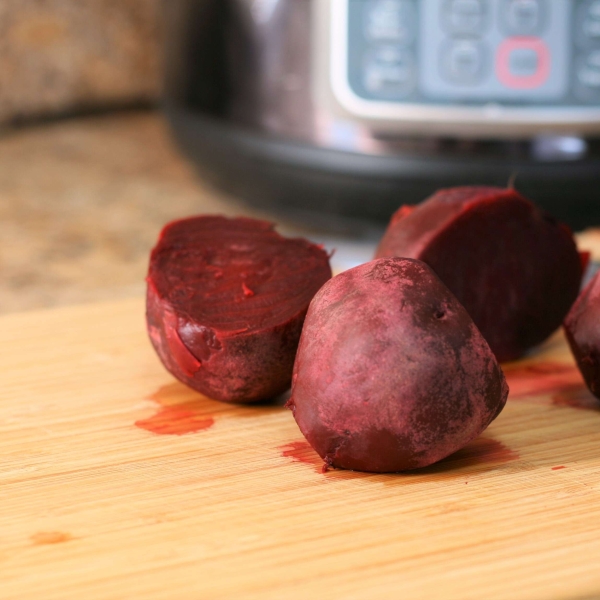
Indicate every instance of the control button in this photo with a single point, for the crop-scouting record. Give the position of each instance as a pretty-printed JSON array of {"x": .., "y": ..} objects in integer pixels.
[
  {"x": 463, "y": 61},
  {"x": 587, "y": 24},
  {"x": 390, "y": 72},
  {"x": 391, "y": 20},
  {"x": 587, "y": 86},
  {"x": 465, "y": 16},
  {"x": 523, "y": 63},
  {"x": 523, "y": 17}
]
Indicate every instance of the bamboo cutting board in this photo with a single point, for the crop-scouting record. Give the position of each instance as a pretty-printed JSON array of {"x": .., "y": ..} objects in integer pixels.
[{"x": 118, "y": 482}]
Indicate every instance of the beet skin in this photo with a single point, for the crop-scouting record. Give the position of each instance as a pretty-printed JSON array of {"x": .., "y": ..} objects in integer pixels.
[
  {"x": 514, "y": 268},
  {"x": 226, "y": 301},
  {"x": 391, "y": 372},
  {"x": 582, "y": 327}
]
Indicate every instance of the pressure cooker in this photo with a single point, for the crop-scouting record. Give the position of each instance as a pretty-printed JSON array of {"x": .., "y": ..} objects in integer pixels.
[{"x": 354, "y": 107}]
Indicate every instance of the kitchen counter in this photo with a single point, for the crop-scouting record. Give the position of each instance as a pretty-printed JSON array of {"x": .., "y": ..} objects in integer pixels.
[
  {"x": 60, "y": 56},
  {"x": 82, "y": 202}
]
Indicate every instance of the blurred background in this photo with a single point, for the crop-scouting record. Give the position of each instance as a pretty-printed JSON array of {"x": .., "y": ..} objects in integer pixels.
[
  {"x": 100, "y": 99},
  {"x": 89, "y": 171}
]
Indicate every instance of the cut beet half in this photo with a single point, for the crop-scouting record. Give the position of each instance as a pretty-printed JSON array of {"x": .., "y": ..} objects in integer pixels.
[
  {"x": 226, "y": 301},
  {"x": 514, "y": 268}
]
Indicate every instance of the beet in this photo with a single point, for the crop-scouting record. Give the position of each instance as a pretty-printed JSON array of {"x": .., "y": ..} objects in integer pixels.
[
  {"x": 226, "y": 300},
  {"x": 513, "y": 267},
  {"x": 391, "y": 372},
  {"x": 582, "y": 328}
]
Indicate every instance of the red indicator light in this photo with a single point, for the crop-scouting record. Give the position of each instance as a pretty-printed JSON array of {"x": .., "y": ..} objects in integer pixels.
[{"x": 530, "y": 48}]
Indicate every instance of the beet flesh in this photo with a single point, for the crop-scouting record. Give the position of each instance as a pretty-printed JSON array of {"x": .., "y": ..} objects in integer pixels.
[
  {"x": 514, "y": 268},
  {"x": 582, "y": 329},
  {"x": 391, "y": 372},
  {"x": 226, "y": 300}
]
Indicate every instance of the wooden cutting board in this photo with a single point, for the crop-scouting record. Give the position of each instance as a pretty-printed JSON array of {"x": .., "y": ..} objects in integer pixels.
[{"x": 118, "y": 482}]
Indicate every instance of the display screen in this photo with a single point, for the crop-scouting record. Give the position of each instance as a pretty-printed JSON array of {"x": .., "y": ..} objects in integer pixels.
[{"x": 513, "y": 52}]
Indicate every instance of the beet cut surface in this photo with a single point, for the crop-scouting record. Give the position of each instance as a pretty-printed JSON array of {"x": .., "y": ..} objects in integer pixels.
[
  {"x": 582, "y": 329},
  {"x": 226, "y": 300},
  {"x": 391, "y": 372},
  {"x": 514, "y": 268}
]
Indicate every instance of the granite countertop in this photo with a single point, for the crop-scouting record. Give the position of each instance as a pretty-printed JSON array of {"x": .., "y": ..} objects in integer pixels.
[
  {"x": 64, "y": 56},
  {"x": 82, "y": 202}
]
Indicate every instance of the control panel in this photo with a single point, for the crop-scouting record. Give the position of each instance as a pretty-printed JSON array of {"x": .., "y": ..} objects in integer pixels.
[{"x": 514, "y": 53}]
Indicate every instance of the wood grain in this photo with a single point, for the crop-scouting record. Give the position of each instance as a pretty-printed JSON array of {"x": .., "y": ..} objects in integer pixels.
[{"x": 93, "y": 506}]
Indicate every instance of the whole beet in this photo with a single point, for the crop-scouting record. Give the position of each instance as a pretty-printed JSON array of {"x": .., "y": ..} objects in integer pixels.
[
  {"x": 515, "y": 269},
  {"x": 391, "y": 372},
  {"x": 226, "y": 300},
  {"x": 582, "y": 328}
]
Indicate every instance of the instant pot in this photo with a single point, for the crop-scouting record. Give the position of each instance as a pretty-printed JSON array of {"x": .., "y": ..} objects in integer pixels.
[{"x": 354, "y": 107}]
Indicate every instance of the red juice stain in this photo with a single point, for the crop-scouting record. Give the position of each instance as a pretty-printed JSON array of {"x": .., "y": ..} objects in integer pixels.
[
  {"x": 172, "y": 394},
  {"x": 480, "y": 451},
  {"x": 43, "y": 538},
  {"x": 176, "y": 420},
  {"x": 558, "y": 468},
  {"x": 537, "y": 379},
  {"x": 182, "y": 411},
  {"x": 302, "y": 451},
  {"x": 483, "y": 450}
]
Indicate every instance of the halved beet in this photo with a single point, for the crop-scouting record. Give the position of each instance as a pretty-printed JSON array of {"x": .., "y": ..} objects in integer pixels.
[
  {"x": 582, "y": 328},
  {"x": 391, "y": 372},
  {"x": 513, "y": 267},
  {"x": 226, "y": 301}
]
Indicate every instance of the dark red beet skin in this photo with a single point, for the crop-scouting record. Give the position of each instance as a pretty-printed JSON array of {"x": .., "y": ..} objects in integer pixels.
[
  {"x": 391, "y": 372},
  {"x": 514, "y": 268},
  {"x": 226, "y": 301},
  {"x": 582, "y": 328}
]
